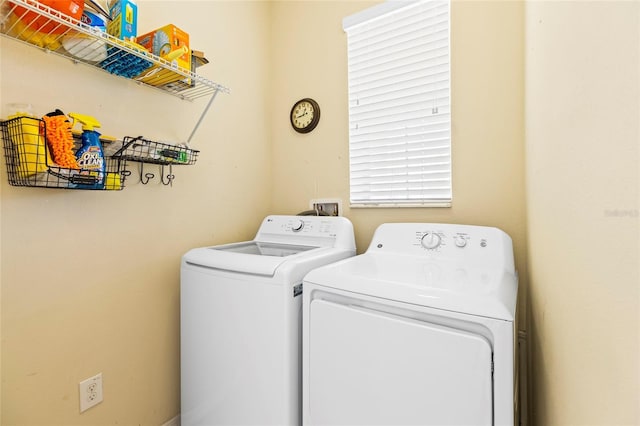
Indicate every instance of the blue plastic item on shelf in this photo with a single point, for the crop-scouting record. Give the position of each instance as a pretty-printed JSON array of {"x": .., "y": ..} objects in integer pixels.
[{"x": 123, "y": 63}]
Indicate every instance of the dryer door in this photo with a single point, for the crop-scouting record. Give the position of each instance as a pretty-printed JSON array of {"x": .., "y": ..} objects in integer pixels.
[{"x": 368, "y": 367}]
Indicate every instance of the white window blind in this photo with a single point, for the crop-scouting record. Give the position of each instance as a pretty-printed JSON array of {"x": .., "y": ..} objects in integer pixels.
[{"x": 399, "y": 104}]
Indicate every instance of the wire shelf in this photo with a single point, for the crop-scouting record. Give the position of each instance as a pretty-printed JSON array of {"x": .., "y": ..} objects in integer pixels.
[
  {"x": 143, "y": 150},
  {"x": 28, "y": 161},
  {"x": 34, "y": 23}
]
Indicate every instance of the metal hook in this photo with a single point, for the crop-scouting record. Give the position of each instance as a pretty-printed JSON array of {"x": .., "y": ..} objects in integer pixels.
[
  {"x": 143, "y": 175},
  {"x": 170, "y": 176},
  {"x": 124, "y": 174}
]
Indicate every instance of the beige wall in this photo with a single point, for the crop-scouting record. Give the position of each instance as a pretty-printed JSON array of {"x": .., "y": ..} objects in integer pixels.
[
  {"x": 270, "y": 54},
  {"x": 90, "y": 279},
  {"x": 583, "y": 134},
  {"x": 309, "y": 60}
]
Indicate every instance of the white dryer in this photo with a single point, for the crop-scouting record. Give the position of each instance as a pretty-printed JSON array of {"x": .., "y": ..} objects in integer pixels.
[
  {"x": 241, "y": 319},
  {"x": 417, "y": 330}
]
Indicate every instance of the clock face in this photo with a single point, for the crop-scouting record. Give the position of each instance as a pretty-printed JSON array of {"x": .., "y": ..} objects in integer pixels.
[{"x": 305, "y": 115}]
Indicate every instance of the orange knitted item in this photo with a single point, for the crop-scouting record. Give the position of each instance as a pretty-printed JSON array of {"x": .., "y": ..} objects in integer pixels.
[{"x": 60, "y": 140}]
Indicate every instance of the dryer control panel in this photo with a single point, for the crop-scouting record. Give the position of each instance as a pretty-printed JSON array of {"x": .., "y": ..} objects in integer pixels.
[{"x": 470, "y": 244}]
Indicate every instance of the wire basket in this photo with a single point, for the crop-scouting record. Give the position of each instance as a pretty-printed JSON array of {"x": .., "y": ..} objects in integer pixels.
[
  {"x": 145, "y": 151},
  {"x": 28, "y": 161}
]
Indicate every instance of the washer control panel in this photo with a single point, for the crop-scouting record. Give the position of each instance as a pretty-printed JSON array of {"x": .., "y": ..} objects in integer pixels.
[
  {"x": 305, "y": 225},
  {"x": 321, "y": 231}
]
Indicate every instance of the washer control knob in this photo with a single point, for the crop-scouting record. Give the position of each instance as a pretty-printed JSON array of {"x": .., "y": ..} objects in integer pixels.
[
  {"x": 431, "y": 240},
  {"x": 461, "y": 241},
  {"x": 297, "y": 225}
]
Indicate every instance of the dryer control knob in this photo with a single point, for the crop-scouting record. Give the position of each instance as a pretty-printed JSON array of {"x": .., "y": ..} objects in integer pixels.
[
  {"x": 461, "y": 241},
  {"x": 297, "y": 225},
  {"x": 431, "y": 240}
]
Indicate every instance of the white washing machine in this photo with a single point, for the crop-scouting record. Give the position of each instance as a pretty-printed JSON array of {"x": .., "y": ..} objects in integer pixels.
[
  {"x": 417, "y": 330},
  {"x": 241, "y": 319}
]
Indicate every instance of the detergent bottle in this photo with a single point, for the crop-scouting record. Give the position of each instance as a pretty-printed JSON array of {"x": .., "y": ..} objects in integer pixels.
[{"x": 89, "y": 156}]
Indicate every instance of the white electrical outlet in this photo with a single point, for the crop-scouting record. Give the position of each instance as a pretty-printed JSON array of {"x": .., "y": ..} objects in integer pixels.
[{"x": 90, "y": 392}]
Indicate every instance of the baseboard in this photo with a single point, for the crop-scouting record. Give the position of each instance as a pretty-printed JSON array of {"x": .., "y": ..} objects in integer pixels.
[{"x": 173, "y": 422}]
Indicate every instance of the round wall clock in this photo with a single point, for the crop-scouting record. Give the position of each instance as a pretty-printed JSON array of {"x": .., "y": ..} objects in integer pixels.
[{"x": 305, "y": 115}]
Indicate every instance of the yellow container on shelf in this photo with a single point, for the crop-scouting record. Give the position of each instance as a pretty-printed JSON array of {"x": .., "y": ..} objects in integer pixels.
[
  {"x": 113, "y": 182},
  {"x": 21, "y": 30},
  {"x": 27, "y": 136}
]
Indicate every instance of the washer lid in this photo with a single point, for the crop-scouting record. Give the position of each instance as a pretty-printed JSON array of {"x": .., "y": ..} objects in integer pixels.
[
  {"x": 249, "y": 257},
  {"x": 416, "y": 280},
  {"x": 263, "y": 249},
  {"x": 279, "y": 239}
]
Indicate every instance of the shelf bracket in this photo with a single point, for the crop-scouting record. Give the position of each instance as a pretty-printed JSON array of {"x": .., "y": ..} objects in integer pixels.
[{"x": 206, "y": 109}]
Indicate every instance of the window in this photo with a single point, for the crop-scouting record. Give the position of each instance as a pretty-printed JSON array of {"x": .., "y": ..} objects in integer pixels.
[{"x": 399, "y": 104}]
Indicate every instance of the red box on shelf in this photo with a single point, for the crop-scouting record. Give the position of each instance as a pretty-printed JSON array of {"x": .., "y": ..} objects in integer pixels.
[{"x": 43, "y": 24}]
